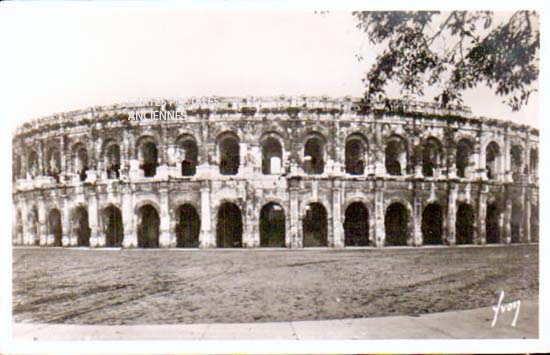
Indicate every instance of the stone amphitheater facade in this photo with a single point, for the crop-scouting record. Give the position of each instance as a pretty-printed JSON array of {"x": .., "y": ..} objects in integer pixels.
[{"x": 274, "y": 172}]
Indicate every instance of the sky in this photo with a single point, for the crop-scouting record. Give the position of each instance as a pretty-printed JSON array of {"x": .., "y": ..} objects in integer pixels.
[{"x": 72, "y": 57}]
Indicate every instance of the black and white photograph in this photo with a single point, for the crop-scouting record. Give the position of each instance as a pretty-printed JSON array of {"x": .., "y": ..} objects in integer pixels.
[{"x": 208, "y": 172}]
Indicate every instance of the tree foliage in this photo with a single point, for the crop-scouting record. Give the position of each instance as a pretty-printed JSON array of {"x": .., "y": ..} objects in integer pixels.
[{"x": 453, "y": 52}]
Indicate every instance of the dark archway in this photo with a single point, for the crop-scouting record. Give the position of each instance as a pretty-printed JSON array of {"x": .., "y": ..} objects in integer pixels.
[
  {"x": 515, "y": 223},
  {"x": 516, "y": 162},
  {"x": 315, "y": 226},
  {"x": 189, "y": 158},
  {"x": 229, "y": 155},
  {"x": 396, "y": 156},
  {"x": 534, "y": 162},
  {"x": 396, "y": 223},
  {"x": 355, "y": 155},
  {"x": 55, "y": 228},
  {"x": 272, "y": 156},
  {"x": 356, "y": 225},
  {"x": 81, "y": 228},
  {"x": 464, "y": 150},
  {"x": 114, "y": 229},
  {"x": 148, "y": 227},
  {"x": 492, "y": 160},
  {"x": 272, "y": 225},
  {"x": 465, "y": 218},
  {"x": 432, "y": 224},
  {"x": 149, "y": 159},
  {"x": 53, "y": 163},
  {"x": 32, "y": 164},
  {"x": 431, "y": 155},
  {"x": 492, "y": 224},
  {"x": 112, "y": 161},
  {"x": 229, "y": 229},
  {"x": 314, "y": 161},
  {"x": 188, "y": 227}
]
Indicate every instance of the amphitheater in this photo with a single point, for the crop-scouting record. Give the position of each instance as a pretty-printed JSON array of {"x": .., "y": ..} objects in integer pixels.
[{"x": 288, "y": 172}]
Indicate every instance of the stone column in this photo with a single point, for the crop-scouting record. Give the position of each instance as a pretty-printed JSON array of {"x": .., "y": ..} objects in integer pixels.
[
  {"x": 164, "y": 238},
  {"x": 206, "y": 239},
  {"x": 337, "y": 225},
  {"x": 42, "y": 228},
  {"x": 294, "y": 238},
  {"x": 507, "y": 235},
  {"x": 65, "y": 222},
  {"x": 416, "y": 239},
  {"x": 451, "y": 214},
  {"x": 24, "y": 220},
  {"x": 128, "y": 219},
  {"x": 526, "y": 217},
  {"x": 95, "y": 240},
  {"x": 379, "y": 227},
  {"x": 481, "y": 217}
]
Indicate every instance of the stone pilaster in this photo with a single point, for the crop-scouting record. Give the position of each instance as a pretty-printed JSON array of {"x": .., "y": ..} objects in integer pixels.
[
  {"x": 451, "y": 214},
  {"x": 164, "y": 238},
  {"x": 42, "y": 228},
  {"x": 416, "y": 239},
  {"x": 128, "y": 219},
  {"x": 481, "y": 217},
  {"x": 294, "y": 238},
  {"x": 526, "y": 217},
  {"x": 379, "y": 227},
  {"x": 65, "y": 222},
  {"x": 206, "y": 238},
  {"x": 337, "y": 224},
  {"x": 507, "y": 228},
  {"x": 93, "y": 222}
]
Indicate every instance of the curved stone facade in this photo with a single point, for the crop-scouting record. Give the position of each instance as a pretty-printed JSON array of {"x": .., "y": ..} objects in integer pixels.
[{"x": 274, "y": 172}]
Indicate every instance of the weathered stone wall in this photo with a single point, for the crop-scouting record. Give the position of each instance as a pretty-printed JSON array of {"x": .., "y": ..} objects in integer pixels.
[{"x": 42, "y": 184}]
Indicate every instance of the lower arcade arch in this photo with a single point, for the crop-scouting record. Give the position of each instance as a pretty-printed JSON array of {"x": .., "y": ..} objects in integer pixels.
[
  {"x": 432, "y": 224},
  {"x": 272, "y": 225},
  {"x": 55, "y": 228},
  {"x": 396, "y": 221},
  {"x": 534, "y": 222},
  {"x": 356, "y": 225},
  {"x": 188, "y": 227},
  {"x": 492, "y": 224},
  {"x": 148, "y": 227},
  {"x": 229, "y": 228},
  {"x": 113, "y": 226},
  {"x": 314, "y": 226},
  {"x": 81, "y": 228},
  {"x": 465, "y": 226}
]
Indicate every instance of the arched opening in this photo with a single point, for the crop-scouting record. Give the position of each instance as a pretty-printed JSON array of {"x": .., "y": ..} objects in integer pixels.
[
  {"x": 534, "y": 222},
  {"x": 356, "y": 149},
  {"x": 229, "y": 154},
  {"x": 396, "y": 223},
  {"x": 32, "y": 219},
  {"x": 32, "y": 164},
  {"x": 356, "y": 225},
  {"x": 314, "y": 162},
  {"x": 272, "y": 156},
  {"x": 229, "y": 229},
  {"x": 188, "y": 227},
  {"x": 464, "y": 164},
  {"x": 315, "y": 226},
  {"x": 114, "y": 229},
  {"x": 272, "y": 225},
  {"x": 148, "y": 158},
  {"x": 492, "y": 161},
  {"x": 80, "y": 227},
  {"x": 112, "y": 161},
  {"x": 432, "y": 224},
  {"x": 515, "y": 222},
  {"x": 55, "y": 228},
  {"x": 464, "y": 227},
  {"x": 431, "y": 155},
  {"x": 148, "y": 227},
  {"x": 53, "y": 163},
  {"x": 516, "y": 157},
  {"x": 396, "y": 156},
  {"x": 80, "y": 161},
  {"x": 534, "y": 162},
  {"x": 492, "y": 224},
  {"x": 189, "y": 157}
]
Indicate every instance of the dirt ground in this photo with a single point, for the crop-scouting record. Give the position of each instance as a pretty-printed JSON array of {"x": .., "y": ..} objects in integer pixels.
[{"x": 55, "y": 285}]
